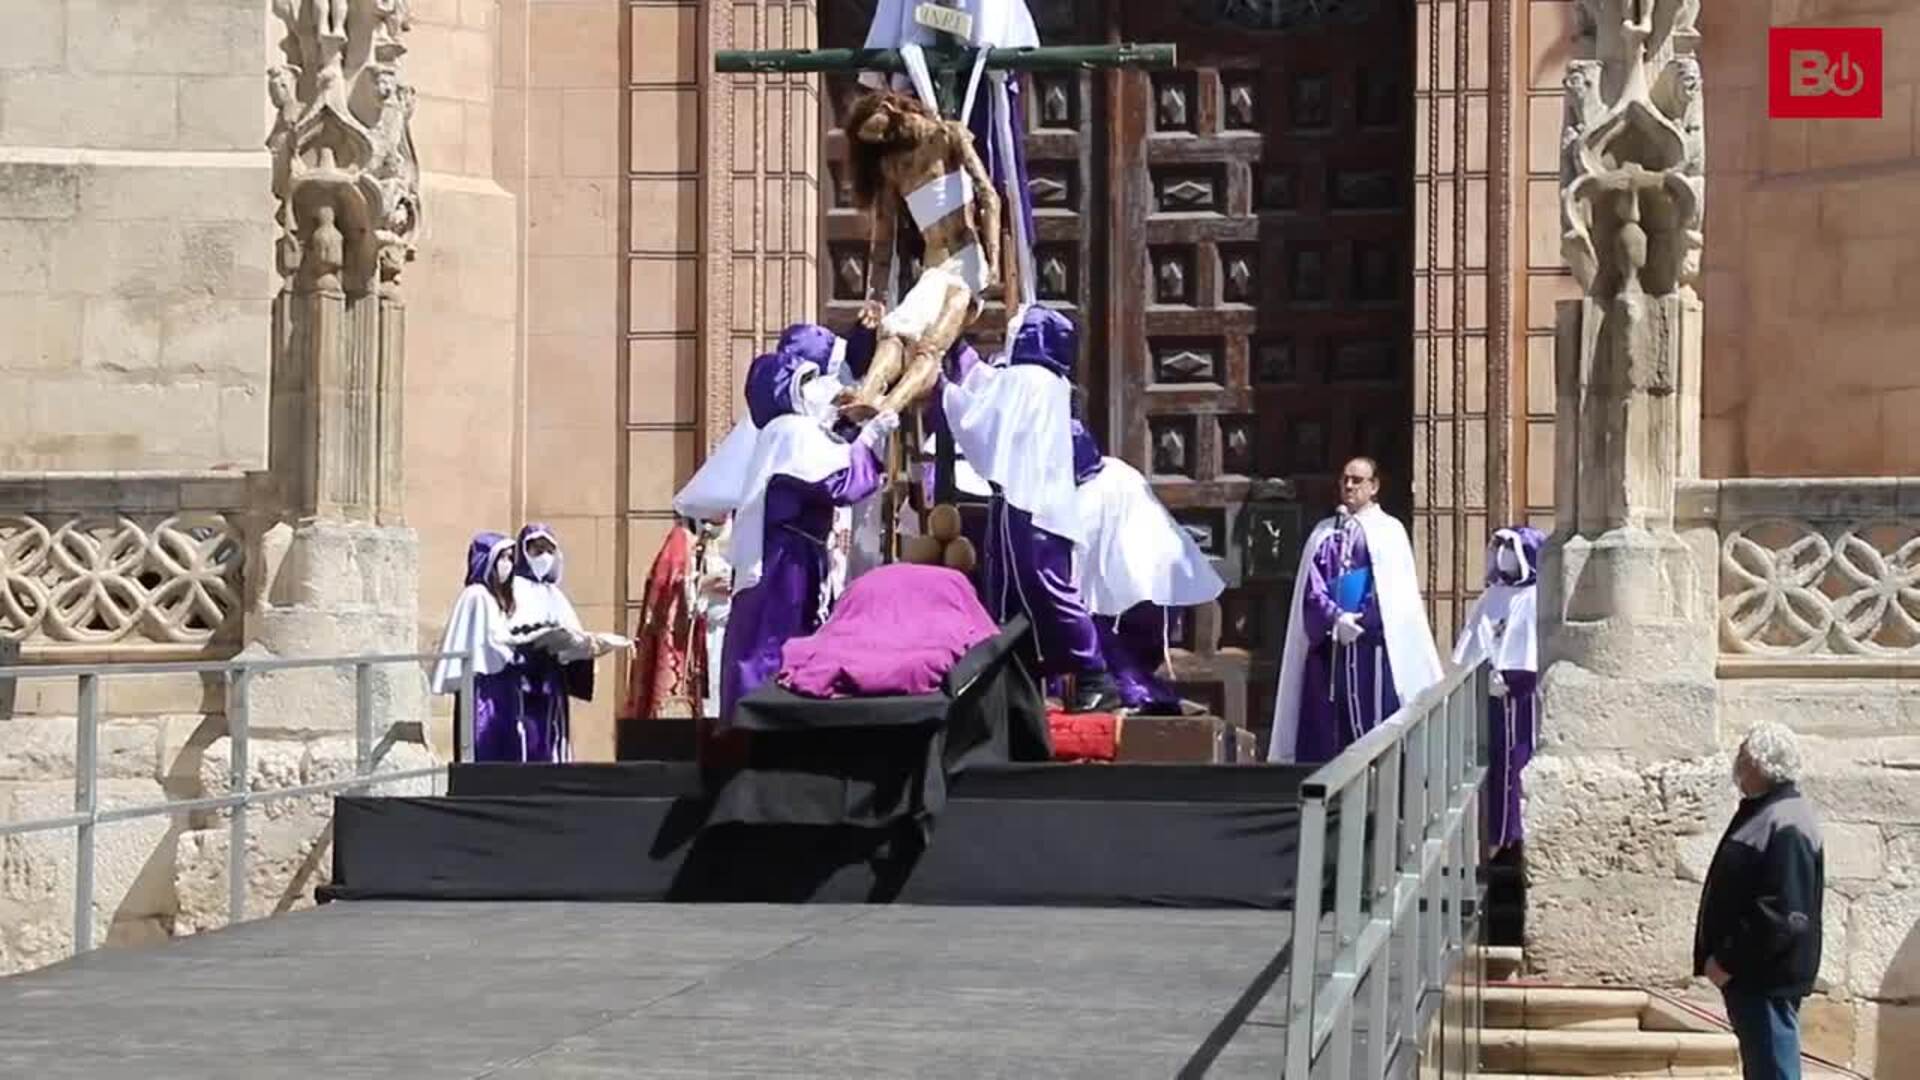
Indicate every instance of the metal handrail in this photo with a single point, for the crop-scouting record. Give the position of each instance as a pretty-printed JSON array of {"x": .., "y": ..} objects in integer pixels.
[
  {"x": 238, "y": 674},
  {"x": 1422, "y": 864}
]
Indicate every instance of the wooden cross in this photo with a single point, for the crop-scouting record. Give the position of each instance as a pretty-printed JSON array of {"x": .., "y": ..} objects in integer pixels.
[{"x": 946, "y": 60}]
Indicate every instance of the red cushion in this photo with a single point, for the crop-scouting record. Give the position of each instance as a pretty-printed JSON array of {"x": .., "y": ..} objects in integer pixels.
[{"x": 1084, "y": 736}]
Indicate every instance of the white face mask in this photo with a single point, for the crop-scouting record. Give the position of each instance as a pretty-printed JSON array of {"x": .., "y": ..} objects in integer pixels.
[
  {"x": 503, "y": 569},
  {"x": 1507, "y": 560},
  {"x": 541, "y": 565},
  {"x": 816, "y": 399}
]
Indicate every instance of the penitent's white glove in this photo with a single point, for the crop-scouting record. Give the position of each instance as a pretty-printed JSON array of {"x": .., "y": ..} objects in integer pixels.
[
  {"x": 1346, "y": 628},
  {"x": 874, "y": 435},
  {"x": 1496, "y": 685}
]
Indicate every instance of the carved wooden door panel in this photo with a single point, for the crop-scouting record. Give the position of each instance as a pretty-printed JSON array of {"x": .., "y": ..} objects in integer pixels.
[
  {"x": 1064, "y": 115},
  {"x": 1260, "y": 261}
]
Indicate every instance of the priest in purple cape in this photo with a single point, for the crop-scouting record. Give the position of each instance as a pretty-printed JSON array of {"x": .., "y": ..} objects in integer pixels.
[
  {"x": 800, "y": 472},
  {"x": 1358, "y": 642},
  {"x": 1137, "y": 570},
  {"x": 1013, "y": 420},
  {"x": 477, "y": 637},
  {"x": 1502, "y": 627},
  {"x": 553, "y": 652}
]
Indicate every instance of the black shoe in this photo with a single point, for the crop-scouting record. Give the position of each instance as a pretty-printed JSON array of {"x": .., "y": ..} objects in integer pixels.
[{"x": 1095, "y": 695}]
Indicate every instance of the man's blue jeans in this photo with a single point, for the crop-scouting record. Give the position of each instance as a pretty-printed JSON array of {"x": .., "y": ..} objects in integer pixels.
[{"x": 1769, "y": 1032}]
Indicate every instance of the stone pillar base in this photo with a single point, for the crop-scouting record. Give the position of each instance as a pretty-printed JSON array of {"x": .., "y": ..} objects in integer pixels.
[{"x": 331, "y": 588}]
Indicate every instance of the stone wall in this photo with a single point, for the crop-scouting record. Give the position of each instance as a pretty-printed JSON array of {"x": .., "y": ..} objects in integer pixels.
[
  {"x": 1812, "y": 257},
  {"x": 464, "y": 376},
  {"x": 1812, "y": 631},
  {"x": 135, "y": 234},
  {"x": 160, "y": 877}
]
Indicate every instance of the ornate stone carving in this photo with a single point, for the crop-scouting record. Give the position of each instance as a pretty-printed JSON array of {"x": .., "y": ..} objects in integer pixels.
[
  {"x": 1792, "y": 588},
  {"x": 113, "y": 579},
  {"x": 1632, "y": 211},
  {"x": 1633, "y": 164},
  {"x": 347, "y": 182},
  {"x": 342, "y": 153},
  {"x": 1821, "y": 570}
]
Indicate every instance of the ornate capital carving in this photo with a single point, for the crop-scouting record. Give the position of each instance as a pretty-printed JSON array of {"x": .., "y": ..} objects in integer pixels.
[
  {"x": 1633, "y": 153},
  {"x": 344, "y": 168}
]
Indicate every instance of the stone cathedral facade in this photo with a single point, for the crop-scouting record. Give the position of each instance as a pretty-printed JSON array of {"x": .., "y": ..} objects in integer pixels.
[{"x": 295, "y": 295}]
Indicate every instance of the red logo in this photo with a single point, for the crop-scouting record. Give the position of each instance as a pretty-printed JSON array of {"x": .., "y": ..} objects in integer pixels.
[{"x": 1824, "y": 73}]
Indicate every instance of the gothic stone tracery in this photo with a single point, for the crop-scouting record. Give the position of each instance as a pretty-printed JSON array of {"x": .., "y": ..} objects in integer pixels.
[{"x": 347, "y": 183}]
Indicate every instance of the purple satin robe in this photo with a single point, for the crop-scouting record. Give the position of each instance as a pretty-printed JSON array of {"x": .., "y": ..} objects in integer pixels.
[
  {"x": 1026, "y": 569},
  {"x": 785, "y": 603},
  {"x": 1135, "y": 648},
  {"x": 496, "y": 719},
  {"x": 1337, "y": 707},
  {"x": 1509, "y": 748}
]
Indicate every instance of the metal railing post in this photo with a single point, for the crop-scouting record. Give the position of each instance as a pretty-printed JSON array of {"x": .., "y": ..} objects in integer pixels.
[
  {"x": 1306, "y": 934},
  {"x": 1386, "y": 816},
  {"x": 1349, "y": 866},
  {"x": 465, "y": 717},
  {"x": 86, "y": 801},
  {"x": 238, "y": 725},
  {"x": 363, "y": 720}
]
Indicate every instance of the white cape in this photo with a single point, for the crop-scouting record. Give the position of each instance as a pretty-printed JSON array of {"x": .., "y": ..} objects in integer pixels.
[
  {"x": 477, "y": 631},
  {"x": 716, "y": 487},
  {"x": 1403, "y": 620},
  {"x": 1014, "y": 425},
  {"x": 542, "y": 603},
  {"x": 1133, "y": 550},
  {"x": 792, "y": 445},
  {"x": 1501, "y": 626}
]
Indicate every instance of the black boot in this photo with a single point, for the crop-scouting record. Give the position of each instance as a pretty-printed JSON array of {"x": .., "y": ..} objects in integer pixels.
[{"x": 1095, "y": 693}]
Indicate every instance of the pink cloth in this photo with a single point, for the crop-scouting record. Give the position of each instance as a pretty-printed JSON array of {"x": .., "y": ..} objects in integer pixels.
[{"x": 898, "y": 630}]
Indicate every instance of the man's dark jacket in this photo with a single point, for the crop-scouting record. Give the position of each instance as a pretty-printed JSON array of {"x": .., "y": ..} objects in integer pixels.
[{"x": 1760, "y": 908}]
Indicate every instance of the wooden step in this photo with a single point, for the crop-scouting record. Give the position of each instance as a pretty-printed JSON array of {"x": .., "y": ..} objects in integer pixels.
[
  {"x": 1543, "y": 1008},
  {"x": 1605, "y": 1053},
  {"x": 1167, "y": 740}
]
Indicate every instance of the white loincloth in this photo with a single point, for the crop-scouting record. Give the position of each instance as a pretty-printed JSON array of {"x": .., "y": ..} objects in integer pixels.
[{"x": 921, "y": 307}]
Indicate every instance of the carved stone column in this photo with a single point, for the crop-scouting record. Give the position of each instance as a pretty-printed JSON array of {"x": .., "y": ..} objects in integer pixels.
[
  {"x": 340, "y": 566},
  {"x": 1621, "y": 593},
  {"x": 1629, "y": 728}
]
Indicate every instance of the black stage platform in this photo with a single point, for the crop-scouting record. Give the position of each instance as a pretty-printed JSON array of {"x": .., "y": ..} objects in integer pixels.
[
  {"x": 1057, "y": 835},
  {"x": 598, "y": 991}
]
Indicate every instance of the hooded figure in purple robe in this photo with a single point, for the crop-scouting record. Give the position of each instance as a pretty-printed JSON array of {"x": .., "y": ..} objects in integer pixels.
[
  {"x": 1013, "y": 420},
  {"x": 478, "y": 634},
  {"x": 799, "y": 474},
  {"x": 1502, "y": 627},
  {"x": 554, "y": 658},
  {"x": 1137, "y": 571}
]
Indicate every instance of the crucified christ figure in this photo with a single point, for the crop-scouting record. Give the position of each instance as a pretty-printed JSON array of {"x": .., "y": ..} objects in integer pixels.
[{"x": 903, "y": 152}]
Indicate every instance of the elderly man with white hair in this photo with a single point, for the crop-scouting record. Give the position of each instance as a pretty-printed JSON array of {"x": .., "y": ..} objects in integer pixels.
[{"x": 1758, "y": 938}]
